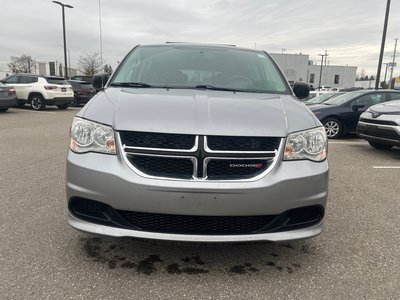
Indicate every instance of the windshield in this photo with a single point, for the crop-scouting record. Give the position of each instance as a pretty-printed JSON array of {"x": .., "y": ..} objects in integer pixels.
[
  {"x": 339, "y": 100},
  {"x": 174, "y": 66}
]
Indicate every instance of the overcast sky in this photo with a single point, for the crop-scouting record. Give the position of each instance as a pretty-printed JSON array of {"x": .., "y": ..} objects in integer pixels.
[{"x": 351, "y": 30}]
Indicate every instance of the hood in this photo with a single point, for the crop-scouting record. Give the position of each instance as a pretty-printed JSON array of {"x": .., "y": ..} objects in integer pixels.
[
  {"x": 202, "y": 112},
  {"x": 387, "y": 107}
]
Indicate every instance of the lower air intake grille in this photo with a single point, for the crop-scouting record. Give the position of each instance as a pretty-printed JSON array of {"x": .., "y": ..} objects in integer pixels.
[{"x": 210, "y": 225}]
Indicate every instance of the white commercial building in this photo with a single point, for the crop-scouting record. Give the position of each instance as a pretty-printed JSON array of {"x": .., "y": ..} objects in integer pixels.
[{"x": 298, "y": 67}]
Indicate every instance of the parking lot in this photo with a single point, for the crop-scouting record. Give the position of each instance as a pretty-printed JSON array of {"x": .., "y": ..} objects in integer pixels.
[{"x": 357, "y": 256}]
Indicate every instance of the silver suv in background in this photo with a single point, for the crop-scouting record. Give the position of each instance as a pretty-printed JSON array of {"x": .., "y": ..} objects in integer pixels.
[
  {"x": 202, "y": 143},
  {"x": 39, "y": 91},
  {"x": 380, "y": 125}
]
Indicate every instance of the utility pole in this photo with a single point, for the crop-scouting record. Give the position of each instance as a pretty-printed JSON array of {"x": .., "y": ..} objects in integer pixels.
[
  {"x": 283, "y": 49},
  {"x": 393, "y": 62},
  {"x": 101, "y": 39},
  {"x": 320, "y": 69},
  {"x": 386, "y": 71},
  {"x": 378, "y": 73},
  {"x": 326, "y": 56}
]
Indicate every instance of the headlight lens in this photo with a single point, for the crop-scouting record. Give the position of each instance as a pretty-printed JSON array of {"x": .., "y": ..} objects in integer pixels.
[
  {"x": 87, "y": 136},
  {"x": 308, "y": 144}
]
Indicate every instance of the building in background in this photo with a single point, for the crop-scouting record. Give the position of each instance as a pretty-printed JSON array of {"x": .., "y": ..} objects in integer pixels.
[
  {"x": 41, "y": 68},
  {"x": 298, "y": 67}
]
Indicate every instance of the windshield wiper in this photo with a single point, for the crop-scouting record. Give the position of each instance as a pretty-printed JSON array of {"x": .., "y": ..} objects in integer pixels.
[
  {"x": 215, "y": 88},
  {"x": 131, "y": 84}
]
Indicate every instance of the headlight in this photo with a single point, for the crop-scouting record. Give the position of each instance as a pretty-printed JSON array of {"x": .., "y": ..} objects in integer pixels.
[
  {"x": 308, "y": 144},
  {"x": 87, "y": 136}
]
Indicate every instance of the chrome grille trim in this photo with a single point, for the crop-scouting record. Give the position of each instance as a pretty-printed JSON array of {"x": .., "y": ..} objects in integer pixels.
[{"x": 270, "y": 156}]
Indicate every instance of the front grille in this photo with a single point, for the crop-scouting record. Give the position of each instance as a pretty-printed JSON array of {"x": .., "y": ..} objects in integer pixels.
[
  {"x": 380, "y": 122},
  {"x": 171, "y": 167},
  {"x": 184, "y": 224},
  {"x": 191, "y": 157},
  {"x": 242, "y": 143},
  {"x": 225, "y": 169},
  {"x": 157, "y": 140}
]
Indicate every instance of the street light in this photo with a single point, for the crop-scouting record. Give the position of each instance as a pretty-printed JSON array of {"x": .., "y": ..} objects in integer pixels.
[
  {"x": 65, "y": 43},
  {"x": 378, "y": 73},
  {"x": 320, "y": 70}
]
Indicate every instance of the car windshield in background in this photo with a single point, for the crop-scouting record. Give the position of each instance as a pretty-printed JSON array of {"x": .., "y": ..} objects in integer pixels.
[
  {"x": 57, "y": 81},
  {"x": 200, "y": 67},
  {"x": 339, "y": 100},
  {"x": 321, "y": 98}
]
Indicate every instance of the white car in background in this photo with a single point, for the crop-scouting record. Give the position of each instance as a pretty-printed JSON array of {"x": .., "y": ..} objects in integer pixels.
[{"x": 39, "y": 91}]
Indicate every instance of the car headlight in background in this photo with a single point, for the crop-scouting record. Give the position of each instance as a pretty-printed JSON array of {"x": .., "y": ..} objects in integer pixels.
[
  {"x": 308, "y": 144},
  {"x": 87, "y": 136}
]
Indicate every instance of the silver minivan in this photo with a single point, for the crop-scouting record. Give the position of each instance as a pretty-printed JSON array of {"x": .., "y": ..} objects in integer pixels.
[{"x": 192, "y": 142}]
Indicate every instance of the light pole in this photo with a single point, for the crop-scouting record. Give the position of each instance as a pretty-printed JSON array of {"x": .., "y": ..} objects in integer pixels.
[
  {"x": 65, "y": 42},
  {"x": 320, "y": 70},
  {"x": 378, "y": 73},
  {"x": 393, "y": 63}
]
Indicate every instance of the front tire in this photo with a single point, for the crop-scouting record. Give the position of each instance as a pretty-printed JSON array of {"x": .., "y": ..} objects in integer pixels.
[
  {"x": 3, "y": 109},
  {"x": 37, "y": 102},
  {"x": 333, "y": 128},
  {"x": 380, "y": 146}
]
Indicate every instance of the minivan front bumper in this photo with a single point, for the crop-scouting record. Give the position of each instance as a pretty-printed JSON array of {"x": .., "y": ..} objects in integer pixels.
[{"x": 108, "y": 179}]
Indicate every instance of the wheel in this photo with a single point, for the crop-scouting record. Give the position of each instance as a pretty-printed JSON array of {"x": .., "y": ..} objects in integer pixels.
[
  {"x": 37, "y": 102},
  {"x": 63, "y": 106},
  {"x": 3, "y": 109},
  {"x": 380, "y": 146},
  {"x": 333, "y": 128}
]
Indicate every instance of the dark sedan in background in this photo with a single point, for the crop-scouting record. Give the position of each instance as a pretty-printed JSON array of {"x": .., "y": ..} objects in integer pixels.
[
  {"x": 83, "y": 91},
  {"x": 340, "y": 115},
  {"x": 8, "y": 97}
]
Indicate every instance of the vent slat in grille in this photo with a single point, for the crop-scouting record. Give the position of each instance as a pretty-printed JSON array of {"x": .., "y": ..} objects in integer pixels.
[
  {"x": 235, "y": 169},
  {"x": 381, "y": 122},
  {"x": 163, "y": 166},
  {"x": 184, "y": 224},
  {"x": 157, "y": 140},
  {"x": 238, "y": 143}
]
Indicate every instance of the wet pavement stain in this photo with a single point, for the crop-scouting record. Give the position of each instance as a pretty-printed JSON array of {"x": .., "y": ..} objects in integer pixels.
[
  {"x": 146, "y": 266},
  {"x": 246, "y": 268},
  {"x": 110, "y": 255}
]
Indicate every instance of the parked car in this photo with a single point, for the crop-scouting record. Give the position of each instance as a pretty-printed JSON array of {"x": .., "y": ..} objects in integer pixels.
[
  {"x": 83, "y": 91},
  {"x": 7, "y": 97},
  {"x": 340, "y": 114},
  {"x": 85, "y": 78},
  {"x": 380, "y": 125},
  {"x": 200, "y": 143},
  {"x": 39, "y": 91},
  {"x": 321, "y": 98}
]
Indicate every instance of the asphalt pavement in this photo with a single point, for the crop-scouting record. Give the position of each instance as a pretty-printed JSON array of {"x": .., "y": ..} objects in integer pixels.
[{"x": 42, "y": 257}]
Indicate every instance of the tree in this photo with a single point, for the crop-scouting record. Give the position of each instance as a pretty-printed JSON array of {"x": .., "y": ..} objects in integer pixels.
[
  {"x": 90, "y": 63},
  {"x": 362, "y": 75},
  {"x": 108, "y": 69},
  {"x": 21, "y": 64},
  {"x": 366, "y": 77},
  {"x": 372, "y": 77}
]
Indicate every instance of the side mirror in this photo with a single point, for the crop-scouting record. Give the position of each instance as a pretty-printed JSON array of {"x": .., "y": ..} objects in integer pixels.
[
  {"x": 301, "y": 90},
  {"x": 99, "y": 80},
  {"x": 355, "y": 107}
]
